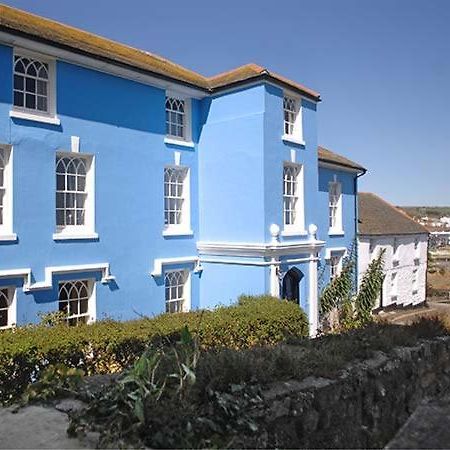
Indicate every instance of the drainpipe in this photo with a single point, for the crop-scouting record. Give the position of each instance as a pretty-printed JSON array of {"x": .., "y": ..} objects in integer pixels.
[
  {"x": 355, "y": 190},
  {"x": 274, "y": 263}
]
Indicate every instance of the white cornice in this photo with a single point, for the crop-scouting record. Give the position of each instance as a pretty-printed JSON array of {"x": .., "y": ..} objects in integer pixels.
[
  {"x": 160, "y": 262},
  {"x": 96, "y": 64},
  {"x": 262, "y": 250}
]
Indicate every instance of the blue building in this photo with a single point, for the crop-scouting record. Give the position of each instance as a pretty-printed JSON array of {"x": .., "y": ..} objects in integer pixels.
[{"x": 130, "y": 185}]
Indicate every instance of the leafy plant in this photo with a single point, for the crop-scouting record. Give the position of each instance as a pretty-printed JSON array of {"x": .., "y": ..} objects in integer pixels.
[
  {"x": 55, "y": 381},
  {"x": 352, "y": 308}
]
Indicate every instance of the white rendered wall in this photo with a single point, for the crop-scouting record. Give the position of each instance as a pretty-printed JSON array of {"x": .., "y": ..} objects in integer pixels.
[{"x": 403, "y": 264}]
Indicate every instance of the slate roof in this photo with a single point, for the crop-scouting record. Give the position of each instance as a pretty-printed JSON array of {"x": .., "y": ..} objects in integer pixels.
[
  {"x": 327, "y": 156},
  {"x": 31, "y": 26},
  {"x": 377, "y": 217}
]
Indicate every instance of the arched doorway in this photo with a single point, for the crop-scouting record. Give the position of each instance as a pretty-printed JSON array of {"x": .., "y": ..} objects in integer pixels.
[{"x": 291, "y": 285}]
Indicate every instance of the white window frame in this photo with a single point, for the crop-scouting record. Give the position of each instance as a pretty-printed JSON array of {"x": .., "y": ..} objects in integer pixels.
[
  {"x": 186, "y": 306},
  {"x": 337, "y": 227},
  {"x": 22, "y": 112},
  {"x": 298, "y": 227},
  {"x": 183, "y": 228},
  {"x": 87, "y": 230},
  {"x": 187, "y": 125},
  {"x": 295, "y": 133},
  {"x": 415, "y": 280},
  {"x": 12, "y": 306},
  {"x": 335, "y": 267},
  {"x": 92, "y": 308},
  {"x": 6, "y": 228}
]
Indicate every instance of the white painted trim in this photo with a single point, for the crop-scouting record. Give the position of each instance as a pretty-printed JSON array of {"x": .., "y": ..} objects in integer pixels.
[
  {"x": 294, "y": 232},
  {"x": 326, "y": 165},
  {"x": 158, "y": 264},
  {"x": 265, "y": 250},
  {"x": 313, "y": 313},
  {"x": 62, "y": 236},
  {"x": 238, "y": 262},
  {"x": 8, "y": 237},
  {"x": 96, "y": 64},
  {"x": 34, "y": 117},
  {"x": 75, "y": 144},
  {"x": 182, "y": 143},
  {"x": 292, "y": 140},
  {"x": 336, "y": 232},
  {"x": 50, "y": 271},
  {"x": 330, "y": 250},
  {"x": 174, "y": 231},
  {"x": 6, "y": 229}
]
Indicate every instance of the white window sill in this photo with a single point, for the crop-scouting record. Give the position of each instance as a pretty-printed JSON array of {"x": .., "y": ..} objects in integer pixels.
[
  {"x": 34, "y": 117},
  {"x": 288, "y": 232},
  {"x": 292, "y": 139},
  {"x": 8, "y": 237},
  {"x": 332, "y": 232},
  {"x": 177, "y": 232},
  {"x": 73, "y": 236},
  {"x": 172, "y": 141}
]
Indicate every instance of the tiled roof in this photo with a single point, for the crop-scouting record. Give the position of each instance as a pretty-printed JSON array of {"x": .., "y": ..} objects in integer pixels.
[
  {"x": 378, "y": 217},
  {"x": 48, "y": 31},
  {"x": 327, "y": 156}
]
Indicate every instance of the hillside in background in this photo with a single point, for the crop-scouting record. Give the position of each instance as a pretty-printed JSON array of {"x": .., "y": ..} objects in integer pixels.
[{"x": 430, "y": 211}]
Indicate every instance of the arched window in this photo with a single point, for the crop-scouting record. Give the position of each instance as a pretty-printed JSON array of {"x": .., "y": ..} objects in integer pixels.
[
  {"x": 175, "y": 119},
  {"x": 175, "y": 196},
  {"x": 176, "y": 290},
  {"x": 71, "y": 191},
  {"x": 74, "y": 298},
  {"x": 5, "y": 303},
  {"x": 31, "y": 84}
]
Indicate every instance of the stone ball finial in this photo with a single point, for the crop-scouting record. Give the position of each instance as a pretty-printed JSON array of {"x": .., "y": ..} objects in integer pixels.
[
  {"x": 312, "y": 230},
  {"x": 275, "y": 231}
]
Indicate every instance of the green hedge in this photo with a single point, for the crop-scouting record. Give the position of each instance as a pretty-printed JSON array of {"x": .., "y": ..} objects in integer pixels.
[{"x": 109, "y": 346}]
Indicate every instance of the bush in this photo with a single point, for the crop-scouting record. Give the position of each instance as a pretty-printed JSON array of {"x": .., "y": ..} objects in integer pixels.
[{"x": 109, "y": 346}]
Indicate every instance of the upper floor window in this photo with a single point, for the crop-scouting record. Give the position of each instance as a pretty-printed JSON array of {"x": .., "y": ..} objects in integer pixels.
[
  {"x": 176, "y": 199},
  {"x": 76, "y": 301},
  {"x": 335, "y": 207},
  {"x": 74, "y": 193},
  {"x": 5, "y": 191},
  {"x": 178, "y": 120},
  {"x": 7, "y": 307},
  {"x": 33, "y": 85},
  {"x": 292, "y": 118},
  {"x": 293, "y": 214},
  {"x": 177, "y": 295}
]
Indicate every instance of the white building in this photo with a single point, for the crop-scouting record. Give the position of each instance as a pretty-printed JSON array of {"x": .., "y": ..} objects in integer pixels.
[{"x": 383, "y": 226}]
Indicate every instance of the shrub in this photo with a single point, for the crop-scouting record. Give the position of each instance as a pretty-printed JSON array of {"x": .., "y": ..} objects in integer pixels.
[{"x": 109, "y": 346}]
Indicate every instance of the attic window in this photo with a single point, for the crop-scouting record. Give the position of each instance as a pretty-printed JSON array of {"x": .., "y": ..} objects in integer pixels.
[{"x": 178, "y": 118}]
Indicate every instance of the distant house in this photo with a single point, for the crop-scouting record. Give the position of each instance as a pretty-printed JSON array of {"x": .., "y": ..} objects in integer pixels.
[{"x": 383, "y": 226}]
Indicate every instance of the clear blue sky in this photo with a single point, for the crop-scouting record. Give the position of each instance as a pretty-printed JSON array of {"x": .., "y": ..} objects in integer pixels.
[{"x": 381, "y": 66}]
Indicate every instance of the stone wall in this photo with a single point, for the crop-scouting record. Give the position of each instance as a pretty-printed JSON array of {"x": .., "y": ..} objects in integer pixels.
[{"x": 362, "y": 408}]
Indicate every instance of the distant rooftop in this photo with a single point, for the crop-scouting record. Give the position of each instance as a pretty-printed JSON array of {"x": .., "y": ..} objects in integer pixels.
[
  {"x": 378, "y": 217},
  {"x": 47, "y": 31}
]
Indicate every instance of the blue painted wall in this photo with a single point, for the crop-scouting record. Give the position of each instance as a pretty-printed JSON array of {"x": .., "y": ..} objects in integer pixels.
[{"x": 236, "y": 168}]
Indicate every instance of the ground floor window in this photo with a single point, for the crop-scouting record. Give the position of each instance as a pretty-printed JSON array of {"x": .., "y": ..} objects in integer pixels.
[
  {"x": 335, "y": 264},
  {"x": 6, "y": 314},
  {"x": 176, "y": 284},
  {"x": 75, "y": 298}
]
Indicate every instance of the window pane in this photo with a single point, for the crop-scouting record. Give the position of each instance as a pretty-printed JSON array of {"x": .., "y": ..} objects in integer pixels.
[
  {"x": 60, "y": 182},
  {"x": 42, "y": 87},
  {"x": 41, "y": 103},
  {"x": 18, "y": 82},
  {"x": 18, "y": 98},
  {"x": 30, "y": 84},
  {"x": 30, "y": 101},
  {"x": 3, "y": 317}
]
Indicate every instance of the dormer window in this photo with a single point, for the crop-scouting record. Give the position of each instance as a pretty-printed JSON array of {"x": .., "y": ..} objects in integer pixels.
[
  {"x": 33, "y": 87},
  {"x": 293, "y": 130},
  {"x": 178, "y": 118}
]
